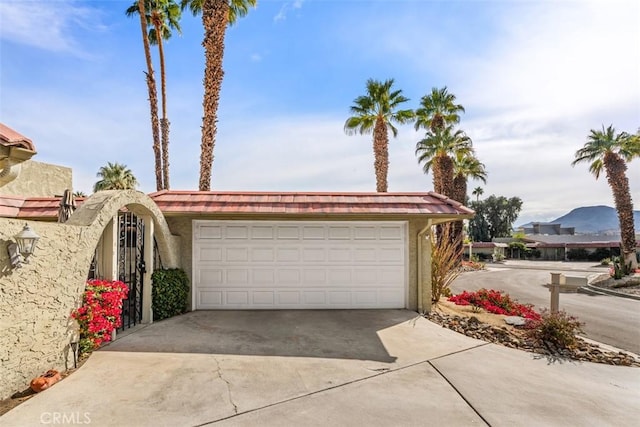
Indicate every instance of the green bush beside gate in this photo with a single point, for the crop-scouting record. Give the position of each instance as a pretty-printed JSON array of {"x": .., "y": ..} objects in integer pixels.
[{"x": 169, "y": 293}]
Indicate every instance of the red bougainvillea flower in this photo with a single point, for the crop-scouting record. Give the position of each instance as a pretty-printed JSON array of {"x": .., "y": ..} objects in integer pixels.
[
  {"x": 495, "y": 302},
  {"x": 101, "y": 310}
]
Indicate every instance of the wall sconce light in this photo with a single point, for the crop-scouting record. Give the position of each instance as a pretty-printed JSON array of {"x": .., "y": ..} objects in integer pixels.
[{"x": 23, "y": 248}]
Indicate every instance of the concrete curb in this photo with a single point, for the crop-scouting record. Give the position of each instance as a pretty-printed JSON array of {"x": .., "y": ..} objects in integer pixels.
[{"x": 590, "y": 289}]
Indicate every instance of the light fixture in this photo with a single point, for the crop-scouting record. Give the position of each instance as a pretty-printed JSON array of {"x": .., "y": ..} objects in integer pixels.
[{"x": 23, "y": 248}]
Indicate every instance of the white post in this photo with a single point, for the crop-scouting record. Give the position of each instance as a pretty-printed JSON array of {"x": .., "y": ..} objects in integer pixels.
[
  {"x": 147, "y": 315},
  {"x": 557, "y": 279}
]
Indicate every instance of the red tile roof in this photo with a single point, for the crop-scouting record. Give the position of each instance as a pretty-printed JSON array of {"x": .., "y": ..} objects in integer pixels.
[
  {"x": 196, "y": 202},
  {"x": 213, "y": 202},
  {"x": 32, "y": 207},
  {"x": 11, "y": 138}
]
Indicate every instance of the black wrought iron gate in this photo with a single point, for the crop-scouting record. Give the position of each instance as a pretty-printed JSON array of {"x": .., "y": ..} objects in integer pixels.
[{"x": 131, "y": 266}]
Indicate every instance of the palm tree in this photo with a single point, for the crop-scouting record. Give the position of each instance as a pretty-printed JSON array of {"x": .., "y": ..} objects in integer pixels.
[
  {"x": 153, "y": 95},
  {"x": 466, "y": 165},
  {"x": 376, "y": 112},
  {"x": 612, "y": 151},
  {"x": 436, "y": 151},
  {"x": 216, "y": 15},
  {"x": 163, "y": 16},
  {"x": 438, "y": 110},
  {"x": 115, "y": 176},
  {"x": 478, "y": 191},
  {"x": 79, "y": 194}
]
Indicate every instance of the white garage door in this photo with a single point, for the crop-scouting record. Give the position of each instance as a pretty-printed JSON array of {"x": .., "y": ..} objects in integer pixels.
[{"x": 293, "y": 264}]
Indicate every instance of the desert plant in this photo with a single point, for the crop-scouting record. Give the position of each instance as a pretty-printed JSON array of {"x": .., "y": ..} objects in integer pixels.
[
  {"x": 169, "y": 293},
  {"x": 558, "y": 328},
  {"x": 620, "y": 269},
  {"x": 445, "y": 257},
  {"x": 605, "y": 261}
]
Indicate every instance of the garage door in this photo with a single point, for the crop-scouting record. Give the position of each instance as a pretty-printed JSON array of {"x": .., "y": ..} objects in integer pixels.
[{"x": 292, "y": 264}]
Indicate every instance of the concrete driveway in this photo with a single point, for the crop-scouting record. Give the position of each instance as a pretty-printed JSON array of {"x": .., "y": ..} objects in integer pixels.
[{"x": 352, "y": 367}]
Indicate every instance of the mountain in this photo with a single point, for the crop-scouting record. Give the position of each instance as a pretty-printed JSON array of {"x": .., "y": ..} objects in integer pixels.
[{"x": 594, "y": 219}]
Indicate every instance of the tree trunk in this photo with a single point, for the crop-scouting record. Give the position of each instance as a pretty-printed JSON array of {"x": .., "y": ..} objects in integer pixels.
[
  {"x": 153, "y": 96},
  {"x": 214, "y": 20},
  {"x": 164, "y": 122},
  {"x": 616, "y": 175},
  {"x": 459, "y": 195},
  {"x": 381, "y": 154},
  {"x": 443, "y": 175}
]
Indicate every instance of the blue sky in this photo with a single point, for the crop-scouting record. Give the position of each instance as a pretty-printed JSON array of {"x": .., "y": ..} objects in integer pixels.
[{"x": 534, "y": 77}]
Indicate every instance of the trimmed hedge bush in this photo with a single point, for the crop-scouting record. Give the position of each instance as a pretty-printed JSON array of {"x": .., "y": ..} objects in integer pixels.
[{"x": 169, "y": 293}]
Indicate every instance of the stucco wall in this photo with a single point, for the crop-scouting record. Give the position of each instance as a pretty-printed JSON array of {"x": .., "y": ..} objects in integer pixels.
[
  {"x": 38, "y": 179},
  {"x": 182, "y": 226},
  {"x": 36, "y": 300}
]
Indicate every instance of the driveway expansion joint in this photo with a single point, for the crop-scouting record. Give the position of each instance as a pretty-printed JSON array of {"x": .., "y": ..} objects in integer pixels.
[
  {"x": 378, "y": 372},
  {"x": 459, "y": 393}
]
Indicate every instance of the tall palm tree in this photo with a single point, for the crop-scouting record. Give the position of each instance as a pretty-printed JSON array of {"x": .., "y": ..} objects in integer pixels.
[
  {"x": 376, "y": 112},
  {"x": 438, "y": 110},
  {"x": 478, "y": 191},
  {"x": 153, "y": 95},
  {"x": 163, "y": 16},
  {"x": 216, "y": 15},
  {"x": 115, "y": 176},
  {"x": 466, "y": 165},
  {"x": 436, "y": 151},
  {"x": 611, "y": 151}
]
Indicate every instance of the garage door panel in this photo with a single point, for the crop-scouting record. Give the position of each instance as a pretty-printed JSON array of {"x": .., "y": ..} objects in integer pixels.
[
  {"x": 278, "y": 264},
  {"x": 237, "y": 297},
  {"x": 289, "y": 297},
  {"x": 234, "y": 232},
  {"x": 287, "y": 255},
  {"x": 237, "y": 276},
  {"x": 210, "y": 277},
  {"x": 237, "y": 254},
  {"x": 206, "y": 253},
  {"x": 262, "y": 232},
  {"x": 263, "y": 298},
  {"x": 210, "y": 298}
]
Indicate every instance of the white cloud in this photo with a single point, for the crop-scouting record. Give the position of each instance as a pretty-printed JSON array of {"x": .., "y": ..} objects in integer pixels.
[
  {"x": 286, "y": 8},
  {"x": 47, "y": 25}
]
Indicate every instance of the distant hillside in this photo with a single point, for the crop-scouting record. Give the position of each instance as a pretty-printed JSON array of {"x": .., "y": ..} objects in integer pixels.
[{"x": 595, "y": 219}]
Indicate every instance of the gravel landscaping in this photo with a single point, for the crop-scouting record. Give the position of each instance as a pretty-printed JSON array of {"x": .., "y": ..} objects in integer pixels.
[{"x": 492, "y": 328}]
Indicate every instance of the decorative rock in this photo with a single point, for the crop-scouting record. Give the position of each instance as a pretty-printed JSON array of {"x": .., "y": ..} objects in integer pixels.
[
  {"x": 515, "y": 338},
  {"x": 515, "y": 320}
]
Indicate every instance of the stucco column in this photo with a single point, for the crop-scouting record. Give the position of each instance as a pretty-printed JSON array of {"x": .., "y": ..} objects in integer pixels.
[
  {"x": 147, "y": 314},
  {"x": 424, "y": 269},
  {"x": 109, "y": 249}
]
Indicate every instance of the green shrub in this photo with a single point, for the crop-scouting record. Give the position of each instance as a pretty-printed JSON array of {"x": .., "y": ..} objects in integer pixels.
[
  {"x": 558, "y": 328},
  {"x": 169, "y": 293},
  {"x": 599, "y": 254},
  {"x": 605, "y": 261},
  {"x": 578, "y": 254}
]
